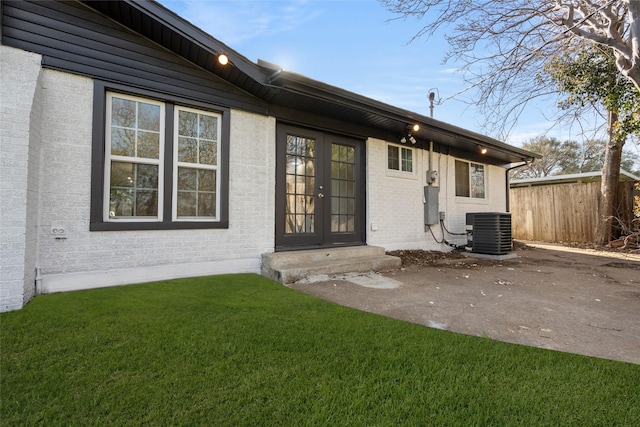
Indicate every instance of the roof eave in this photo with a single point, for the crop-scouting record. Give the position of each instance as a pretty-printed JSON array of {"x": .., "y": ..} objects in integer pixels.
[{"x": 296, "y": 82}]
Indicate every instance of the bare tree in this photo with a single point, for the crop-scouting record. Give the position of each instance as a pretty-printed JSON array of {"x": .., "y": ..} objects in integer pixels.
[{"x": 503, "y": 46}]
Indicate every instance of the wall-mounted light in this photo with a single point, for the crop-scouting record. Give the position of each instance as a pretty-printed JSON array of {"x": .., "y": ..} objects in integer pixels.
[
  {"x": 223, "y": 59},
  {"x": 408, "y": 137}
]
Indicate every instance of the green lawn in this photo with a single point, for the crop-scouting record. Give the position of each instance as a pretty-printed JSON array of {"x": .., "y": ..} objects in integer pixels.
[{"x": 242, "y": 350}]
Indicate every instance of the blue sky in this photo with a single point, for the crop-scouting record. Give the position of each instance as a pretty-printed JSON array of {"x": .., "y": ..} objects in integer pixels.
[{"x": 355, "y": 45}]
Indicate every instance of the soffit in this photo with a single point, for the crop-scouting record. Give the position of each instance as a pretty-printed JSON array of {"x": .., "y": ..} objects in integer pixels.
[{"x": 294, "y": 91}]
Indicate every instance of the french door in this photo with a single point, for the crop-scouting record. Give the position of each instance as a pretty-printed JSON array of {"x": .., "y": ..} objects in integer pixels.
[{"x": 319, "y": 189}]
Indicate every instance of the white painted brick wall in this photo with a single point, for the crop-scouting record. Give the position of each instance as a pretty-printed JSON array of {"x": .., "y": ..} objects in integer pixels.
[
  {"x": 46, "y": 164},
  {"x": 86, "y": 259},
  {"x": 20, "y": 115},
  {"x": 395, "y": 201}
]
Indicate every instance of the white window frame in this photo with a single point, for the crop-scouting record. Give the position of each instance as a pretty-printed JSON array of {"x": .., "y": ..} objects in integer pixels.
[
  {"x": 177, "y": 164},
  {"x": 137, "y": 160},
  {"x": 400, "y": 170},
  {"x": 470, "y": 183}
]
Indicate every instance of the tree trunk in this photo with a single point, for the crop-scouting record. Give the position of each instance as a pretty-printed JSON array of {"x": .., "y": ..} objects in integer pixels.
[
  {"x": 634, "y": 40},
  {"x": 609, "y": 185}
]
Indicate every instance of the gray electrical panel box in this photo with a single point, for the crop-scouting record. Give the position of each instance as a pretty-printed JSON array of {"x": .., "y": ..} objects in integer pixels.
[{"x": 431, "y": 215}]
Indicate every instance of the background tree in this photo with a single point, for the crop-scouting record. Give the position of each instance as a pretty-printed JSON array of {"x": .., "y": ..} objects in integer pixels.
[
  {"x": 556, "y": 158},
  {"x": 568, "y": 157}
]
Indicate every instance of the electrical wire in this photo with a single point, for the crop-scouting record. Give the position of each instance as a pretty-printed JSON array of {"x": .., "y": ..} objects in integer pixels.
[
  {"x": 449, "y": 232},
  {"x": 434, "y": 236},
  {"x": 453, "y": 245}
]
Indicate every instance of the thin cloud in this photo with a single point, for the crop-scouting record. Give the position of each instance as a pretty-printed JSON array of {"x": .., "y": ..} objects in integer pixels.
[{"x": 238, "y": 22}]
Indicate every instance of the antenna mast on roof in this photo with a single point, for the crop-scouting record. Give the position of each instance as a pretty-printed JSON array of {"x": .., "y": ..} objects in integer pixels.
[{"x": 432, "y": 100}]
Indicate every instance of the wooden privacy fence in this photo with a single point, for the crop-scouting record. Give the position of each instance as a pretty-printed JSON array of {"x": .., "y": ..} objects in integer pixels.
[{"x": 563, "y": 212}]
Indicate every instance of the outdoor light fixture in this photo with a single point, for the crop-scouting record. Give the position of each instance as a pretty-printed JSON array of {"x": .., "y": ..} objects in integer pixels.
[
  {"x": 483, "y": 150},
  {"x": 415, "y": 127},
  {"x": 409, "y": 137},
  {"x": 223, "y": 59}
]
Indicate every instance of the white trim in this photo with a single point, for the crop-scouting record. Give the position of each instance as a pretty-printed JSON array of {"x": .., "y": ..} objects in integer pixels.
[
  {"x": 104, "y": 278},
  {"x": 176, "y": 164},
  {"x": 136, "y": 160},
  {"x": 399, "y": 173},
  {"x": 485, "y": 175}
]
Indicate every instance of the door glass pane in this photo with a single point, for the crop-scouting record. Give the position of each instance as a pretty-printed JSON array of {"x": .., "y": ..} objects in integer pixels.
[
  {"x": 343, "y": 199},
  {"x": 300, "y": 185}
]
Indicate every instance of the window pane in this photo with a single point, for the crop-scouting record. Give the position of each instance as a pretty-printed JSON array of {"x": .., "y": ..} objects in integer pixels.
[
  {"x": 477, "y": 181},
  {"x": 196, "y": 192},
  {"x": 342, "y": 189},
  {"x": 121, "y": 174},
  {"x": 208, "y": 127},
  {"x": 146, "y": 176},
  {"x": 187, "y": 150},
  {"x": 187, "y": 124},
  {"x": 335, "y": 170},
  {"x": 148, "y": 117},
  {"x": 335, "y": 205},
  {"x": 407, "y": 160},
  {"x": 135, "y": 129},
  {"x": 187, "y": 179},
  {"x": 120, "y": 202},
  {"x": 393, "y": 158},
  {"x": 186, "y": 203},
  {"x": 462, "y": 179},
  {"x": 206, "y": 204},
  {"x": 351, "y": 189},
  {"x": 206, "y": 180},
  {"x": 123, "y": 142},
  {"x": 133, "y": 190},
  {"x": 148, "y": 145},
  {"x": 123, "y": 112},
  {"x": 208, "y": 153},
  {"x": 146, "y": 203}
]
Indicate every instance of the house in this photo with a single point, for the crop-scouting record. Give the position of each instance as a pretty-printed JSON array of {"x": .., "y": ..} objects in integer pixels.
[
  {"x": 564, "y": 208},
  {"x": 131, "y": 153}
]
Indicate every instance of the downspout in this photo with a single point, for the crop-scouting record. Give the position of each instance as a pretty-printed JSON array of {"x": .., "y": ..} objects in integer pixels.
[{"x": 518, "y": 165}]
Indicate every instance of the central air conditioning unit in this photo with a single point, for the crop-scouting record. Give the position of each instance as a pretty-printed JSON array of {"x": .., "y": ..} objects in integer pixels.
[{"x": 489, "y": 232}]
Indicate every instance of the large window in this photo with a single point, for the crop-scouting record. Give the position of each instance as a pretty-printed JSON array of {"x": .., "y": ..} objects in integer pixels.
[
  {"x": 134, "y": 154},
  {"x": 162, "y": 164},
  {"x": 399, "y": 158},
  {"x": 196, "y": 169},
  {"x": 470, "y": 180}
]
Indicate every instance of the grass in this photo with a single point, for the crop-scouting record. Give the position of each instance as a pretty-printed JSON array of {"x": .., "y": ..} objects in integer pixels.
[{"x": 241, "y": 350}]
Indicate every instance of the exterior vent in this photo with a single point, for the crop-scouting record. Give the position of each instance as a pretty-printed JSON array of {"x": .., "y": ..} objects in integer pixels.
[{"x": 489, "y": 232}]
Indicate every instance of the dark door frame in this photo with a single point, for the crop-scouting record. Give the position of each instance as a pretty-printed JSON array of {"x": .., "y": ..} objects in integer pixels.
[{"x": 322, "y": 237}]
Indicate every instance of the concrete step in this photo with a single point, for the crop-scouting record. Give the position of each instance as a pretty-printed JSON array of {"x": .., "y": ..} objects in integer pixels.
[{"x": 290, "y": 267}]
